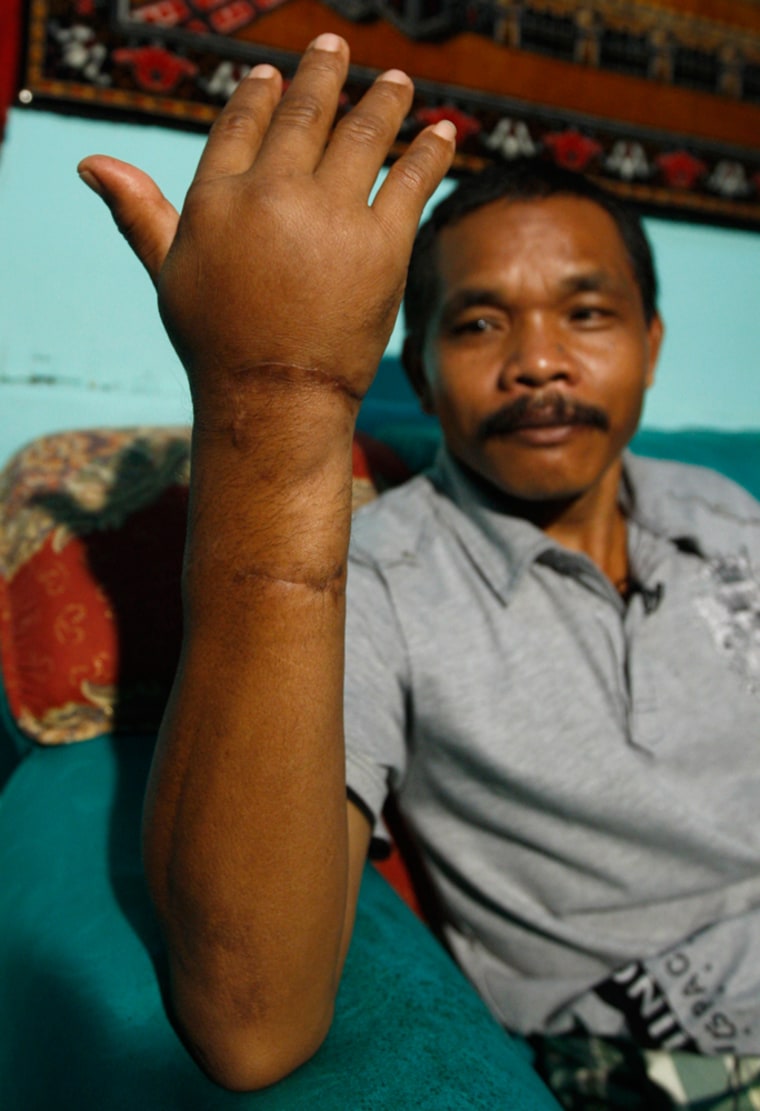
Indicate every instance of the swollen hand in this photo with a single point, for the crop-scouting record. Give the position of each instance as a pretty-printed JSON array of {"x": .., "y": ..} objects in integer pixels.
[{"x": 279, "y": 265}]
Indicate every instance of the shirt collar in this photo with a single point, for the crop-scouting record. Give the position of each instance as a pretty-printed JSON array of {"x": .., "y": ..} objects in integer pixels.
[
  {"x": 646, "y": 497},
  {"x": 500, "y": 546},
  {"x": 503, "y": 547}
]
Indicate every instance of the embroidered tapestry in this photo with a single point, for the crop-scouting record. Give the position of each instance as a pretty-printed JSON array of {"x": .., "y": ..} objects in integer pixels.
[
  {"x": 661, "y": 99},
  {"x": 10, "y": 47}
]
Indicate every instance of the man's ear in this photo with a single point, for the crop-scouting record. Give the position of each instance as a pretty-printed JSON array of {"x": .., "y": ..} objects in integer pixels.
[
  {"x": 655, "y": 335},
  {"x": 412, "y": 362}
]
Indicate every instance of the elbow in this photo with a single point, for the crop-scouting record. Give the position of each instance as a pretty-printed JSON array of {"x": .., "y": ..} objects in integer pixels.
[
  {"x": 250, "y": 1064},
  {"x": 245, "y": 1056}
]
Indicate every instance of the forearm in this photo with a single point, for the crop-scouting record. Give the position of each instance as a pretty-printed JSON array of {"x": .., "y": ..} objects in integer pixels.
[{"x": 245, "y": 840}]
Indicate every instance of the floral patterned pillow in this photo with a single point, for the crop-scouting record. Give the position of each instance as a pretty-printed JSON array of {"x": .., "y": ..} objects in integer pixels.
[{"x": 91, "y": 537}]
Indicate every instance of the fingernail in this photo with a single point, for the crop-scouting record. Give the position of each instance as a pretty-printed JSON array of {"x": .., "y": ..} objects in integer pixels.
[
  {"x": 262, "y": 72},
  {"x": 91, "y": 181},
  {"x": 446, "y": 129},
  {"x": 395, "y": 76},
  {"x": 327, "y": 41}
]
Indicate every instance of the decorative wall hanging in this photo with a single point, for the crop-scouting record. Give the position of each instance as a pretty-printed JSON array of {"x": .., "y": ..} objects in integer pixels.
[
  {"x": 661, "y": 99},
  {"x": 10, "y": 45}
]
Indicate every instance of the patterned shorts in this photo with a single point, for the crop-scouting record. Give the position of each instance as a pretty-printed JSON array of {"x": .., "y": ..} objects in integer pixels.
[{"x": 601, "y": 1074}]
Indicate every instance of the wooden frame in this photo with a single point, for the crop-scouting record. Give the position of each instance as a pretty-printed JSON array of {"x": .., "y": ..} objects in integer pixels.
[{"x": 659, "y": 98}]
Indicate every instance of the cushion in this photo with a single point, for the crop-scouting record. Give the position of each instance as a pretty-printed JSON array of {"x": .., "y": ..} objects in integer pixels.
[{"x": 92, "y": 530}]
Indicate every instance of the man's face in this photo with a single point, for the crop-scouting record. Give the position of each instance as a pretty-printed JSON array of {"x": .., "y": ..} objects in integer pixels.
[{"x": 537, "y": 355}]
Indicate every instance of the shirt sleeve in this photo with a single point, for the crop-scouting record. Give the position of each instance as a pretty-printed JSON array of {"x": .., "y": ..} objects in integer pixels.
[{"x": 375, "y": 690}]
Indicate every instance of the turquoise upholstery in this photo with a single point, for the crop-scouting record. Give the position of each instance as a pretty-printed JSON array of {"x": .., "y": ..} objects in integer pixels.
[
  {"x": 734, "y": 454},
  {"x": 82, "y": 1020}
]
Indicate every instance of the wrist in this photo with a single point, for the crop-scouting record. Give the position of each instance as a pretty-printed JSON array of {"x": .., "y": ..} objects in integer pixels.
[
  {"x": 270, "y": 497},
  {"x": 268, "y": 409}
]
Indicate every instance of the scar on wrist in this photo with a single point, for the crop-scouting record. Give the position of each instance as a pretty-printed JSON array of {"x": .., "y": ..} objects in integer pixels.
[
  {"x": 292, "y": 375},
  {"x": 331, "y": 580},
  {"x": 272, "y": 396}
]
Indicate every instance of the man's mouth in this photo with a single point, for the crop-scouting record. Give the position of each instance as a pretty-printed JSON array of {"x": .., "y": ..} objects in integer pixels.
[{"x": 554, "y": 411}]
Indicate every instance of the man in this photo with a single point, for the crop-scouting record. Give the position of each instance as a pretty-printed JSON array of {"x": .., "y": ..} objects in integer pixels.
[
  {"x": 546, "y": 661},
  {"x": 517, "y": 636}
]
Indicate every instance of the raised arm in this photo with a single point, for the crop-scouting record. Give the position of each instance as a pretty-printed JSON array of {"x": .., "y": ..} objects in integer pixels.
[{"x": 278, "y": 286}]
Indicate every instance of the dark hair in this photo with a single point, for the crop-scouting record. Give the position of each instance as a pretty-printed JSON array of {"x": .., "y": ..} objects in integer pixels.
[{"x": 523, "y": 180}]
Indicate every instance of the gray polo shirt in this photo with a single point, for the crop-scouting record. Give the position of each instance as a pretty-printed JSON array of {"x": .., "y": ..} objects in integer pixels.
[{"x": 582, "y": 775}]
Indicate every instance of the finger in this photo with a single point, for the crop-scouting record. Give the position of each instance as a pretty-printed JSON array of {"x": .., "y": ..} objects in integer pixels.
[
  {"x": 304, "y": 118},
  {"x": 363, "y": 138},
  {"x": 140, "y": 210},
  {"x": 413, "y": 179},
  {"x": 238, "y": 130}
]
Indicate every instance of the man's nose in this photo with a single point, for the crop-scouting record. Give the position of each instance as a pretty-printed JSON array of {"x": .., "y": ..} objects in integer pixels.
[{"x": 537, "y": 355}]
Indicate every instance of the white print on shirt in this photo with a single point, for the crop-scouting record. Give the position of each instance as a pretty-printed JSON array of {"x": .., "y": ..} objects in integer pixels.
[
  {"x": 689, "y": 981},
  {"x": 675, "y": 1005},
  {"x": 729, "y": 603},
  {"x": 650, "y": 1019}
]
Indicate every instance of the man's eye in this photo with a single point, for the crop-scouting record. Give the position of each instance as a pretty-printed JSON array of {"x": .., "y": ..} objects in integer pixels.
[
  {"x": 584, "y": 314},
  {"x": 474, "y": 326}
]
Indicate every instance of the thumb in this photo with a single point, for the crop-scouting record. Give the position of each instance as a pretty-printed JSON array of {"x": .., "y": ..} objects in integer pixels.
[{"x": 140, "y": 210}]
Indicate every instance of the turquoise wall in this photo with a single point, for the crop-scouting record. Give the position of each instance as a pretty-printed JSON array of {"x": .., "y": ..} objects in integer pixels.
[{"x": 81, "y": 342}]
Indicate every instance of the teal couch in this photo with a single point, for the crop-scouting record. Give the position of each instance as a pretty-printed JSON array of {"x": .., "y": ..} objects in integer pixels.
[
  {"x": 83, "y": 1021},
  {"x": 83, "y": 1026}
]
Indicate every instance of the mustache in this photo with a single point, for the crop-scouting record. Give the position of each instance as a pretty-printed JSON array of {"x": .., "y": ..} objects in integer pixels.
[{"x": 541, "y": 412}]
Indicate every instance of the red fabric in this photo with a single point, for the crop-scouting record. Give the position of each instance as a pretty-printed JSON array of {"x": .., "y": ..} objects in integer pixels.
[
  {"x": 394, "y": 870},
  {"x": 376, "y": 461},
  {"x": 10, "y": 52},
  {"x": 97, "y": 623},
  {"x": 90, "y": 626}
]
